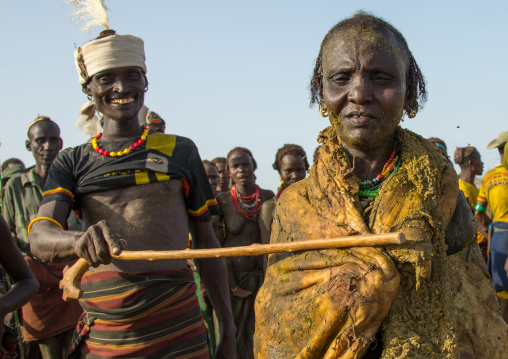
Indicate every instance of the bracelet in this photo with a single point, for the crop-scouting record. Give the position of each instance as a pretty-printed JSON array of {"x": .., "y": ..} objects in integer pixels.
[
  {"x": 480, "y": 208},
  {"x": 233, "y": 289},
  {"x": 43, "y": 219}
]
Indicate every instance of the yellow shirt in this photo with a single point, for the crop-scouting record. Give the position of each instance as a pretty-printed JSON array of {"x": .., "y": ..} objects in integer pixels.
[
  {"x": 494, "y": 191},
  {"x": 470, "y": 192}
]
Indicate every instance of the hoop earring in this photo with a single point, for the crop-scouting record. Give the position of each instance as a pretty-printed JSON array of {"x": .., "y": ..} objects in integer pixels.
[
  {"x": 323, "y": 111},
  {"x": 89, "y": 97},
  {"x": 146, "y": 88},
  {"x": 412, "y": 112}
]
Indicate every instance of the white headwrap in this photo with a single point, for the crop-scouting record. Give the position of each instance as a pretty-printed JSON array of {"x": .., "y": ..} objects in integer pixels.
[{"x": 109, "y": 52}]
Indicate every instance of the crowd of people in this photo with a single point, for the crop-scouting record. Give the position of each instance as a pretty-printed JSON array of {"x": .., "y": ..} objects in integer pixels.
[{"x": 442, "y": 293}]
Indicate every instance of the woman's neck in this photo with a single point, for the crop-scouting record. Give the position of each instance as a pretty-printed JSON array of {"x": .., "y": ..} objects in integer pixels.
[
  {"x": 367, "y": 164},
  {"x": 246, "y": 190}
]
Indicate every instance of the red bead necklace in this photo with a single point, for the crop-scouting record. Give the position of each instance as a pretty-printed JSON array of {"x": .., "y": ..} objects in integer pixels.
[{"x": 126, "y": 151}]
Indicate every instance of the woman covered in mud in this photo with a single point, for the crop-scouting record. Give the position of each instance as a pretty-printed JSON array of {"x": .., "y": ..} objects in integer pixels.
[{"x": 430, "y": 297}]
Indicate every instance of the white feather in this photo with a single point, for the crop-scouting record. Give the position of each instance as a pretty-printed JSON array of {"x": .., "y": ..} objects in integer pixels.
[
  {"x": 89, "y": 13},
  {"x": 91, "y": 127}
]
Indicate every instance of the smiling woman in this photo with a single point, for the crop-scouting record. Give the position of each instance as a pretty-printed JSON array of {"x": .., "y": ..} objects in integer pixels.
[{"x": 428, "y": 296}]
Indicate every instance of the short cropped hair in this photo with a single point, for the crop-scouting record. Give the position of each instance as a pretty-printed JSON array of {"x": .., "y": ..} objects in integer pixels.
[{"x": 289, "y": 149}]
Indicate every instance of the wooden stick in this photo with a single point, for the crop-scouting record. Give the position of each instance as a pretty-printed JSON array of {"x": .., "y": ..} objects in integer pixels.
[
  {"x": 368, "y": 240},
  {"x": 71, "y": 281}
]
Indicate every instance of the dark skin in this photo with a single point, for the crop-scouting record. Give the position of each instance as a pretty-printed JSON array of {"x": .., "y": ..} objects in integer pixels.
[
  {"x": 223, "y": 185},
  {"x": 25, "y": 286},
  {"x": 115, "y": 214},
  {"x": 239, "y": 230},
  {"x": 484, "y": 222},
  {"x": 213, "y": 176},
  {"x": 292, "y": 170},
  {"x": 468, "y": 171},
  {"x": 44, "y": 142},
  {"x": 472, "y": 168},
  {"x": 364, "y": 89}
]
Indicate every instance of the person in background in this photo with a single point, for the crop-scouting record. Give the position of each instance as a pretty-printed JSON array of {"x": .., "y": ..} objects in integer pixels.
[
  {"x": 48, "y": 321},
  {"x": 25, "y": 286},
  {"x": 441, "y": 146},
  {"x": 292, "y": 165},
  {"x": 240, "y": 208},
  {"x": 11, "y": 167},
  {"x": 494, "y": 193},
  {"x": 471, "y": 165},
  {"x": 213, "y": 175},
  {"x": 224, "y": 179}
]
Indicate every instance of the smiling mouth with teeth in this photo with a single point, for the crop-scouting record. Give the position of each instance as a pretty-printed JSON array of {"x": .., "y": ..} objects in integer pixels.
[{"x": 122, "y": 101}]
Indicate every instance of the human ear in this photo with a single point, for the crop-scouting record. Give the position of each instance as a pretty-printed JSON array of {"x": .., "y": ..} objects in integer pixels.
[
  {"x": 61, "y": 143},
  {"x": 28, "y": 145}
]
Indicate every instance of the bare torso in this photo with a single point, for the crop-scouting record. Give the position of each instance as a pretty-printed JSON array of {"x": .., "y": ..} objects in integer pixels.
[
  {"x": 148, "y": 217},
  {"x": 240, "y": 231}
]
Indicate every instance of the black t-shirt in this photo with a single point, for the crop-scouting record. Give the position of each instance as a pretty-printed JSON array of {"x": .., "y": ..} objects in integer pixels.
[{"x": 81, "y": 170}]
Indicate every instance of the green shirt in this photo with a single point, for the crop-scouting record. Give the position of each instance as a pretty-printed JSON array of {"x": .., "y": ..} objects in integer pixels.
[{"x": 21, "y": 199}]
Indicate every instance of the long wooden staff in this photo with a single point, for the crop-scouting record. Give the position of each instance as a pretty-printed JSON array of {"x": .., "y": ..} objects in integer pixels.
[{"x": 71, "y": 281}]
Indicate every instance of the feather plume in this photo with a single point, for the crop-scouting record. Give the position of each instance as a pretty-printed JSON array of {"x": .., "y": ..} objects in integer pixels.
[
  {"x": 87, "y": 121},
  {"x": 89, "y": 13}
]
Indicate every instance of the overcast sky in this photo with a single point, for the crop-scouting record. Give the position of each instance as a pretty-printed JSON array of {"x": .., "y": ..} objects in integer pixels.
[{"x": 236, "y": 73}]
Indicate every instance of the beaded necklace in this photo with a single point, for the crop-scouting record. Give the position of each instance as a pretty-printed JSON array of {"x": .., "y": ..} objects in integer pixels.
[
  {"x": 126, "y": 151},
  {"x": 369, "y": 189},
  {"x": 247, "y": 206}
]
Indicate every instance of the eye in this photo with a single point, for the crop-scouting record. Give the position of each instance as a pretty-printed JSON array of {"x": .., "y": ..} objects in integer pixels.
[
  {"x": 341, "y": 78},
  {"x": 381, "y": 78},
  {"x": 105, "y": 79},
  {"x": 134, "y": 76}
]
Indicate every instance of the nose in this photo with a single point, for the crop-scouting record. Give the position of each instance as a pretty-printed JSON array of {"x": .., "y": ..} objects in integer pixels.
[
  {"x": 360, "y": 91},
  {"x": 120, "y": 85}
]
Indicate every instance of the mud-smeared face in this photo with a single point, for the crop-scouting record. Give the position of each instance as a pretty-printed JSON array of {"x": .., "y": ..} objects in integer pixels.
[{"x": 364, "y": 87}]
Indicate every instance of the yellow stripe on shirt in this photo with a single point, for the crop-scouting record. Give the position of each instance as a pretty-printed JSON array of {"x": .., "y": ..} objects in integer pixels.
[{"x": 203, "y": 209}]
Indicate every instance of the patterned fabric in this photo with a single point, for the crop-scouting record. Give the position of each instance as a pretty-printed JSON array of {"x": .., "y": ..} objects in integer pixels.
[
  {"x": 243, "y": 311},
  {"x": 80, "y": 170},
  {"x": 47, "y": 314},
  {"x": 147, "y": 315},
  {"x": 494, "y": 191},
  {"x": 154, "y": 121}
]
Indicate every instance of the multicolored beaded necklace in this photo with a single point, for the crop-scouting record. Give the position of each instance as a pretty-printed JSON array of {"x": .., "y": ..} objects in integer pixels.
[
  {"x": 126, "y": 151},
  {"x": 247, "y": 206},
  {"x": 369, "y": 189}
]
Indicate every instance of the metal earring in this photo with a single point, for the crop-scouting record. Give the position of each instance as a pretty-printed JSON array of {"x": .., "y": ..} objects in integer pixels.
[
  {"x": 89, "y": 97},
  {"x": 412, "y": 112},
  {"x": 323, "y": 111}
]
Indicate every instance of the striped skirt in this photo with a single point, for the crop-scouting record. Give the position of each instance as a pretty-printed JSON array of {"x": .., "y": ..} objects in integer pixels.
[{"x": 151, "y": 315}]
